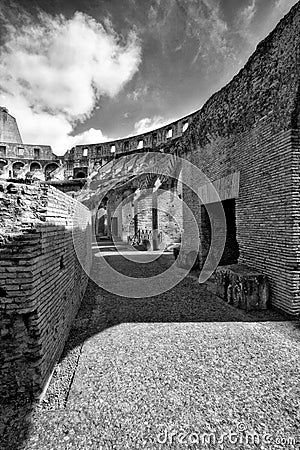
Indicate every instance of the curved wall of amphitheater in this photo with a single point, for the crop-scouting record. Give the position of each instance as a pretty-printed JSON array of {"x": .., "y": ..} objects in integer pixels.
[
  {"x": 84, "y": 158},
  {"x": 246, "y": 140}
]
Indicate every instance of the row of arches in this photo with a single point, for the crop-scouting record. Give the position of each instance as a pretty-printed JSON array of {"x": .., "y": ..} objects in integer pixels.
[
  {"x": 34, "y": 166},
  {"x": 80, "y": 174}
]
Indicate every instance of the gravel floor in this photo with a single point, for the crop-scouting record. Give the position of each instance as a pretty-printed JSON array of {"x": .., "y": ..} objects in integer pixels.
[{"x": 161, "y": 372}]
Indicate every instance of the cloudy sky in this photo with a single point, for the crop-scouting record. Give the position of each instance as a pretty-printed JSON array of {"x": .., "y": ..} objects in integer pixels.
[{"x": 84, "y": 71}]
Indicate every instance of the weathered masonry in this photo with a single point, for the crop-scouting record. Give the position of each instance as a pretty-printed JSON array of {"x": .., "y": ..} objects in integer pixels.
[
  {"x": 246, "y": 139},
  {"x": 249, "y": 131},
  {"x": 42, "y": 282},
  {"x": 161, "y": 211},
  {"x": 18, "y": 159}
]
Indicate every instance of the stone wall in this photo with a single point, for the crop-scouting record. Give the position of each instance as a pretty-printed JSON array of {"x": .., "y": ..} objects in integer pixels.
[
  {"x": 15, "y": 151},
  {"x": 153, "y": 139},
  {"x": 143, "y": 210},
  {"x": 170, "y": 221},
  {"x": 251, "y": 127},
  {"x": 42, "y": 282},
  {"x": 267, "y": 85},
  {"x": 169, "y": 214},
  {"x": 9, "y": 131},
  {"x": 264, "y": 211}
]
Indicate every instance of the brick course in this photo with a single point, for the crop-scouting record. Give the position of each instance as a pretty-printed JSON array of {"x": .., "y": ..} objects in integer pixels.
[
  {"x": 42, "y": 283},
  {"x": 252, "y": 126},
  {"x": 9, "y": 131}
]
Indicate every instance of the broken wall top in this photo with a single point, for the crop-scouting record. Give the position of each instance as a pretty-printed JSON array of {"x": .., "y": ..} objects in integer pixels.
[{"x": 268, "y": 86}]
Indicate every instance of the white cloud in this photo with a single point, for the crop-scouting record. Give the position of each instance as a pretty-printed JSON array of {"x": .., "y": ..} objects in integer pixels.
[
  {"x": 44, "y": 128},
  {"x": 205, "y": 23},
  {"x": 53, "y": 73},
  {"x": 149, "y": 124},
  {"x": 279, "y": 10},
  {"x": 260, "y": 31},
  {"x": 138, "y": 93},
  {"x": 246, "y": 15},
  {"x": 90, "y": 136},
  {"x": 283, "y": 6}
]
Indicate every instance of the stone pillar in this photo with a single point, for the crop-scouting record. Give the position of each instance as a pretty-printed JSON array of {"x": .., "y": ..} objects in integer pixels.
[
  {"x": 155, "y": 240},
  {"x": 127, "y": 216}
]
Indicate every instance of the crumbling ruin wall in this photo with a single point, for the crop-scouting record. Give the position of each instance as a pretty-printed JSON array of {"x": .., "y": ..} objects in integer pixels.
[
  {"x": 41, "y": 282},
  {"x": 170, "y": 220},
  {"x": 169, "y": 213},
  {"x": 9, "y": 131},
  {"x": 251, "y": 127}
]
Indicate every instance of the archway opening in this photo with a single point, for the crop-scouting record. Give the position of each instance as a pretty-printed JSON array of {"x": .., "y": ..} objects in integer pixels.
[
  {"x": 49, "y": 169},
  {"x": 35, "y": 166},
  {"x": 17, "y": 166},
  {"x": 231, "y": 251},
  {"x": 101, "y": 219},
  {"x": 80, "y": 174},
  {"x": 3, "y": 163}
]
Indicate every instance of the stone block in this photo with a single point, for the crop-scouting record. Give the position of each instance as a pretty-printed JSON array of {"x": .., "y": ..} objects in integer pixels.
[{"x": 241, "y": 286}]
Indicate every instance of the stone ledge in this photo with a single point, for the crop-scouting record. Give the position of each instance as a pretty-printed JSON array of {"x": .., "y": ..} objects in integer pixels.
[{"x": 242, "y": 286}]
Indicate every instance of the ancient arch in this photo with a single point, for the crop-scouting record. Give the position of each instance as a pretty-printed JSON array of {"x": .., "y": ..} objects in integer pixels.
[
  {"x": 80, "y": 174},
  {"x": 3, "y": 162},
  {"x": 49, "y": 168},
  {"x": 16, "y": 167},
  {"x": 35, "y": 165}
]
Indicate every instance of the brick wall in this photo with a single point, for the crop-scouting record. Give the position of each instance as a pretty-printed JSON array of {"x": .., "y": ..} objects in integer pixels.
[
  {"x": 251, "y": 126},
  {"x": 42, "y": 282},
  {"x": 266, "y": 209},
  {"x": 267, "y": 85},
  {"x": 143, "y": 209},
  {"x": 9, "y": 131},
  {"x": 169, "y": 215},
  {"x": 13, "y": 148}
]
